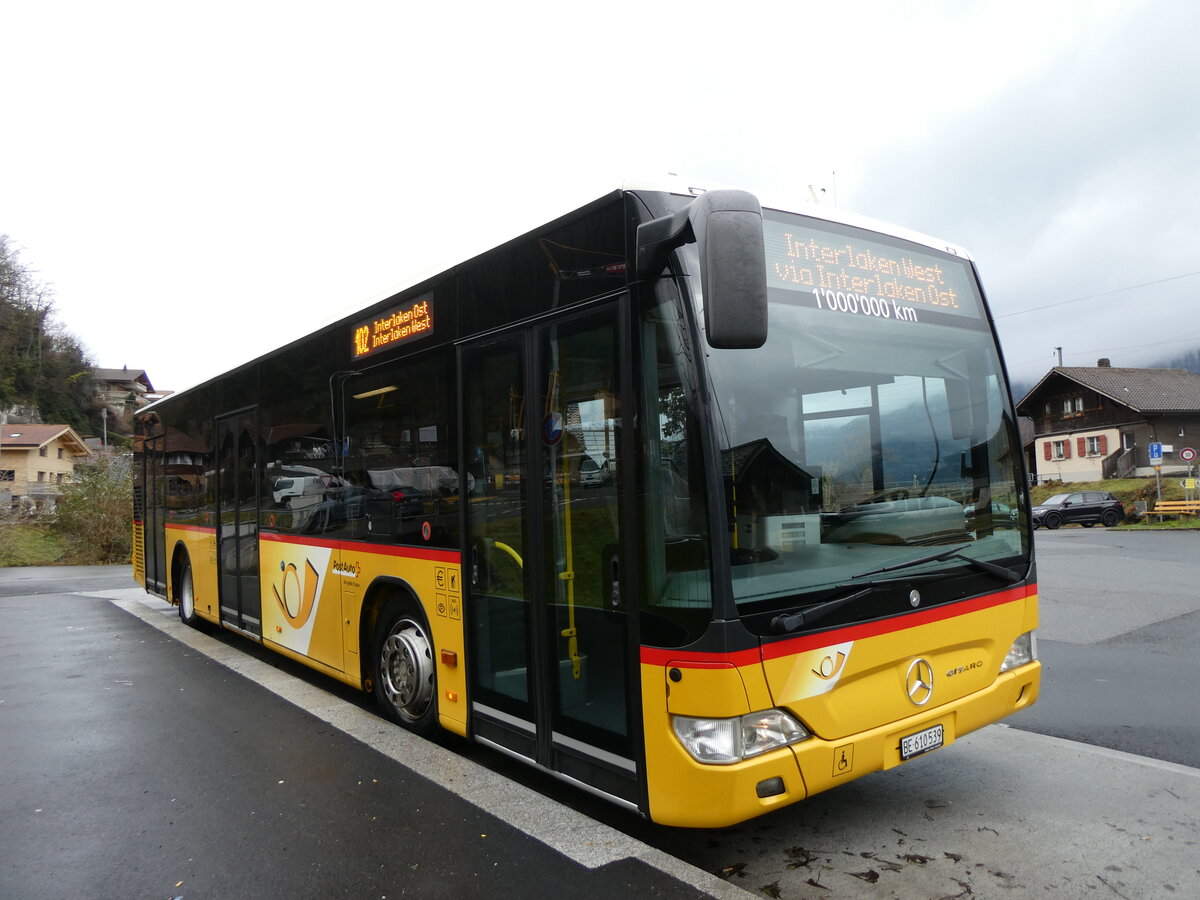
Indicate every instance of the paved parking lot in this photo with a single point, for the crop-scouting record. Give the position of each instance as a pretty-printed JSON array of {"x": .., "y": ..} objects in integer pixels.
[{"x": 143, "y": 758}]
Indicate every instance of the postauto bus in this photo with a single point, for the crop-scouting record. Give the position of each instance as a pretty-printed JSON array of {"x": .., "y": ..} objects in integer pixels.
[{"x": 790, "y": 577}]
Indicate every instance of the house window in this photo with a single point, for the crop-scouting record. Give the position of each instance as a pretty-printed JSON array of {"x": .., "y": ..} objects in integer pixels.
[
  {"x": 41, "y": 476},
  {"x": 58, "y": 479},
  {"x": 60, "y": 452},
  {"x": 1127, "y": 440},
  {"x": 1057, "y": 449},
  {"x": 8, "y": 474},
  {"x": 42, "y": 451},
  {"x": 1095, "y": 446},
  {"x": 1073, "y": 406}
]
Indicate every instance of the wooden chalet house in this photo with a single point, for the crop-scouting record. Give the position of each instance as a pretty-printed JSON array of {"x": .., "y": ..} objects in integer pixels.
[
  {"x": 35, "y": 461},
  {"x": 123, "y": 388},
  {"x": 1095, "y": 423}
]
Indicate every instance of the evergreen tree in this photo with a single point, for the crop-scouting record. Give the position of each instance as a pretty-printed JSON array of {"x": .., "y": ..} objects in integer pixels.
[{"x": 41, "y": 364}]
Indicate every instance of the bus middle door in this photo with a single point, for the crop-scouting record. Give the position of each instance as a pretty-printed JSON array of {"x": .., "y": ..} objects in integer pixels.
[
  {"x": 549, "y": 635},
  {"x": 237, "y": 520}
]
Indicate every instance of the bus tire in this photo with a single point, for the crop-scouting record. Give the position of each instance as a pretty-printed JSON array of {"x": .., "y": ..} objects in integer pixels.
[
  {"x": 185, "y": 593},
  {"x": 403, "y": 671}
]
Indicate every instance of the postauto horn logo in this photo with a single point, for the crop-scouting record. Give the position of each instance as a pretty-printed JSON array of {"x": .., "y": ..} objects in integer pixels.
[{"x": 296, "y": 600}]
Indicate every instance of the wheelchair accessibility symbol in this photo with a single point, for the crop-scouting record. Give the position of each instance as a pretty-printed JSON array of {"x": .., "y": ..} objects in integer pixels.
[{"x": 843, "y": 760}]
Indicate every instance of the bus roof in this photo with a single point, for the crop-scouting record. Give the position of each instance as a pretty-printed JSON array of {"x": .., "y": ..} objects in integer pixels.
[{"x": 671, "y": 184}]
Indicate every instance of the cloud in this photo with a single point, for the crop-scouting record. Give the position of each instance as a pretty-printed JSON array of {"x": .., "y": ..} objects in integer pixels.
[
  {"x": 247, "y": 174},
  {"x": 1075, "y": 182}
]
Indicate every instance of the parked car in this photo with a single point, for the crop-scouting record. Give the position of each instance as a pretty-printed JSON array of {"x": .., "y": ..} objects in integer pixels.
[
  {"x": 291, "y": 487},
  {"x": 907, "y": 520},
  {"x": 1003, "y": 515},
  {"x": 593, "y": 474},
  {"x": 1085, "y": 507}
]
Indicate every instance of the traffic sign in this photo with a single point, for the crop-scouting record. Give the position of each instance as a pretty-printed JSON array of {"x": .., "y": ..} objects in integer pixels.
[
  {"x": 552, "y": 428},
  {"x": 1187, "y": 454},
  {"x": 1156, "y": 452}
]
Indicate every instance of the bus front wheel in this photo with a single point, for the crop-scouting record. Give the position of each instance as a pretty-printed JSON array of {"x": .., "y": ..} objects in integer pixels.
[{"x": 403, "y": 669}]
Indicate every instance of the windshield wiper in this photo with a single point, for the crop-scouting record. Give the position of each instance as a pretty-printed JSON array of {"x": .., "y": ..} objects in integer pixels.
[
  {"x": 794, "y": 621},
  {"x": 785, "y": 624},
  {"x": 1002, "y": 572}
]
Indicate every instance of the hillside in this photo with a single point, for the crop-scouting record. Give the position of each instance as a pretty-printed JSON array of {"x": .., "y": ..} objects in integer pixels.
[{"x": 44, "y": 369}]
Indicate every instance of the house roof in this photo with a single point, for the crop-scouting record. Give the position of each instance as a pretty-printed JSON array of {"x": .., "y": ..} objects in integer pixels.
[
  {"x": 1142, "y": 390},
  {"x": 739, "y": 460},
  {"x": 123, "y": 376},
  {"x": 31, "y": 437}
]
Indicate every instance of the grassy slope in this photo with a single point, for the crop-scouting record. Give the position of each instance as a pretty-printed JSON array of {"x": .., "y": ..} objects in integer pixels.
[
  {"x": 1128, "y": 491},
  {"x": 29, "y": 545}
]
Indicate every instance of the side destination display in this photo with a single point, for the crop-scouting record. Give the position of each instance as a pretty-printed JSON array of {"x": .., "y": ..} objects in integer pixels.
[{"x": 392, "y": 327}]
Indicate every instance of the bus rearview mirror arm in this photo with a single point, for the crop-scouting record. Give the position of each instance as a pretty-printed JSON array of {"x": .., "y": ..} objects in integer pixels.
[{"x": 727, "y": 229}]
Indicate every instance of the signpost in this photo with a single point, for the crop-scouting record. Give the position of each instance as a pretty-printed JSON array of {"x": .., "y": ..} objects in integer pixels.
[
  {"x": 1188, "y": 455},
  {"x": 1156, "y": 461}
]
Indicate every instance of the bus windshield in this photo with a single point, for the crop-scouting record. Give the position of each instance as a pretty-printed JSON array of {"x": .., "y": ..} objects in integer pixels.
[{"x": 873, "y": 430}]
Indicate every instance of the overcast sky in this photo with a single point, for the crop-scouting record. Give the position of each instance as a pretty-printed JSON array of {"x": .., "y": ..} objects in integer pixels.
[{"x": 202, "y": 183}]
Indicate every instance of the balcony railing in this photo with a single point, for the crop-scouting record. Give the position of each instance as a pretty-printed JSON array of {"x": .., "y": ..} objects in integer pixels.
[
  {"x": 40, "y": 489},
  {"x": 1119, "y": 464}
]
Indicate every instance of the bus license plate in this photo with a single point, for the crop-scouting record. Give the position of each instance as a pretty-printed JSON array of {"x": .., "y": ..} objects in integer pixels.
[{"x": 921, "y": 742}]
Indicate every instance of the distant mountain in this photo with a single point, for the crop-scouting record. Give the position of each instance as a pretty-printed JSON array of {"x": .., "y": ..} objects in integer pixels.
[{"x": 1189, "y": 360}]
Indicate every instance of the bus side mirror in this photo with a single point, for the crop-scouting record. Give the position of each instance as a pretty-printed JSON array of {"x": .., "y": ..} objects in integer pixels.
[{"x": 727, "y": 229}]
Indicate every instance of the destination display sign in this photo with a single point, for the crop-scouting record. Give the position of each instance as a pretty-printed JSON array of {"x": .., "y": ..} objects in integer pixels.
[
  {"x": 393, "y": 327},
  {"x": 842, "y": 270}
]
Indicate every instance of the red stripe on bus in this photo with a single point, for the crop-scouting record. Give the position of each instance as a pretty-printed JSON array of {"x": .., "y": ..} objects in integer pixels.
[
  {"x": 426, "y": 553},
  {"x": 203, "y": 529},
  {"x": 691, "y": 659}
]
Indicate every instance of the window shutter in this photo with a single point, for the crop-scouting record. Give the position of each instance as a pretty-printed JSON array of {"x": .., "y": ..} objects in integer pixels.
[
  {"x": 1067, "y": 449},
  {"x": 1104, "y": 445},
  {"x": 1049, "y": 450},
  {"x": 1081, "y": 444}
]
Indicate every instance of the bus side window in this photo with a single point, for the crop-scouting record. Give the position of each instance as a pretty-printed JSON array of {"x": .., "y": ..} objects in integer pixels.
[
  {"x": 399, "y": 453},
  {"x": 677, "y": 594}
]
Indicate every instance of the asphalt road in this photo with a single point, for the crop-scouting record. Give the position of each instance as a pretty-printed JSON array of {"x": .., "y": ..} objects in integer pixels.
[
  {"x": 128, "y": 771},
  {"x": 134, "y": 765},
  {"x": 1120, "y": 628}
]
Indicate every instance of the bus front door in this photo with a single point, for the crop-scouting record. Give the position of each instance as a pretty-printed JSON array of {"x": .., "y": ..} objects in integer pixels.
[
  {"x": 549, "y": 633},
  {"x": 237, "y": 521}
]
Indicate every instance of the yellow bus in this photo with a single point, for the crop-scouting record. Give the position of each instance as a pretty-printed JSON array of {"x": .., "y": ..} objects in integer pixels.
[{"x": 807, "y": 554}]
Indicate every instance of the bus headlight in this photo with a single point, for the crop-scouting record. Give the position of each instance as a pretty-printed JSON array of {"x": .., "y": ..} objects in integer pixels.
[
  {"x": 1023, "y": 650},
  {"x": 723, "y": 742}
]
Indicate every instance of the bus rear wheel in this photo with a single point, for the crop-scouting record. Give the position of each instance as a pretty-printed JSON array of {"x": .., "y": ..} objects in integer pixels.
[
  {"x": 403, "y": 670},
  {"x": 185, "y": 595}
]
